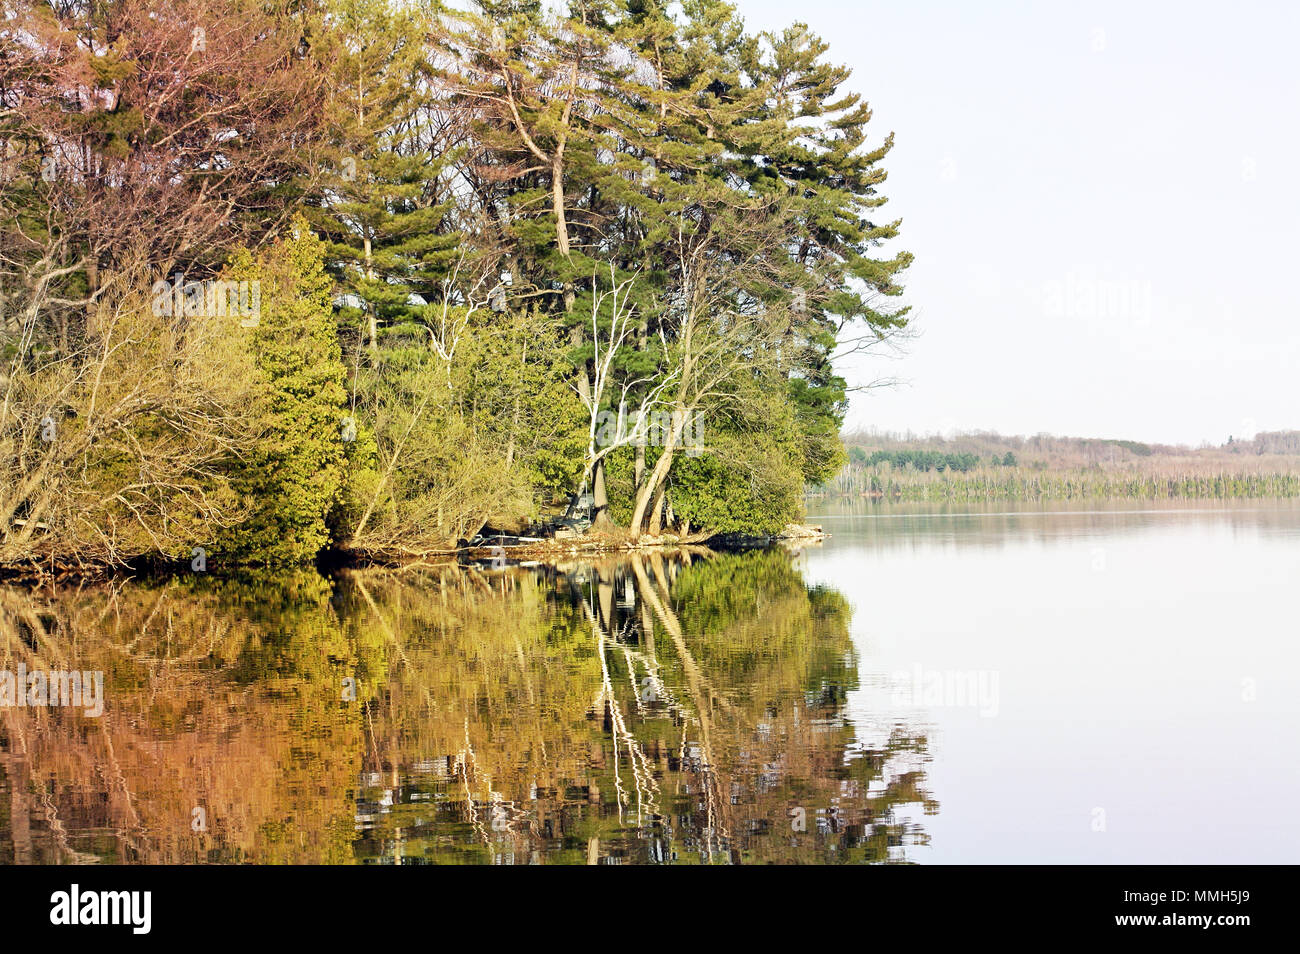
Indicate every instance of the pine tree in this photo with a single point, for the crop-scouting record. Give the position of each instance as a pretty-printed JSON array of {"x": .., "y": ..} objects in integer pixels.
[
  {"x": 627, "y": 140},
  {"x": 293, "y": 479},
  {"x": 384, "y": 200}
]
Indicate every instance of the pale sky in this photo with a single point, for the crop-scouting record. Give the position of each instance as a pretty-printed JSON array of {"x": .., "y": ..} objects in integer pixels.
[{"x": 1104, "y": 203}]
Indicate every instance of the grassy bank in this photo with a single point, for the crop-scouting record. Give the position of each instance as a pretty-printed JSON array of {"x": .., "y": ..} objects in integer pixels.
[{"x": 1024, "y": 485}]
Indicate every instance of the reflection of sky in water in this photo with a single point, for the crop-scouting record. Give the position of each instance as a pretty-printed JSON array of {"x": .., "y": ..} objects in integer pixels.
[{"x": 1124, "y": 642}]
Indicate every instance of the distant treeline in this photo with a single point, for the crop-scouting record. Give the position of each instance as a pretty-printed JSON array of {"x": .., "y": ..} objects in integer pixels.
[
  {"x": 927, "y": 461},
  {"x": 1053, "y": 451},
  {"x": 1266, "y": 442},
  {"x": 989, "y": 466},
  {"x": 1020, "y": 485}
]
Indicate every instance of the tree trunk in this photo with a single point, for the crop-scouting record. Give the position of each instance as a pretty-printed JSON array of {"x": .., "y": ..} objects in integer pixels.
[
  {"x": 599, "y": 497},
  {"x": 638, "y": 466},
  {"x": 665, "y": 462},
  {"x": 657, "y": 476},
  {"x": 557, "y": 205},
  {"x": 92, "y": 283},
  {"x": 372, "y": 323},
  {"x": 657, "y": 510}
]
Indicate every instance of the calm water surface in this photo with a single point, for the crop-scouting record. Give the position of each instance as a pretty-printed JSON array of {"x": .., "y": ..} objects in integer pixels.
[
  {"x": 1147, "y": 670},
  {"x": 1111, "y": 685}
]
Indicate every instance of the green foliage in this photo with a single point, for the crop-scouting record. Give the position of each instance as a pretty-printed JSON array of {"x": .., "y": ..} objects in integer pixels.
[
  {"x": 750, "y": 478},
  {"x": 292, "y": 478},
  {"x": 715, "y": 493},
  {"x": 518, "y": 371},
  {"x": 379, "y": 216},
  {"x": 925, "y": 460},
  {"x": 434, "y": 476},
  {"x": 727, "y": 151},
  {"x": 438, "y": 329}
]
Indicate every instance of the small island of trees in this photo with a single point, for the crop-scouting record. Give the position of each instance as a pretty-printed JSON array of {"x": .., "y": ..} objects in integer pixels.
[{"x": 371, "y": 277}]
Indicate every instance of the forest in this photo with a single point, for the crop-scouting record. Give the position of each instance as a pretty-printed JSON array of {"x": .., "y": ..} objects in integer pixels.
[
  {"x": 365, "y": 277},
  {"x": 988, "y": 466}
]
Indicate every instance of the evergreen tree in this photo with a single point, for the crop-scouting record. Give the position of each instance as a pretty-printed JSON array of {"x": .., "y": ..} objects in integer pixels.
[
  {"x": 384, "y": 201},
  {"x": 293, "y": 478}
]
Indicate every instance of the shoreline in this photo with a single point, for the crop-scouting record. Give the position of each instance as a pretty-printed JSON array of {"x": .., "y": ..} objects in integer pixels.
[{"x": 543, "y": 551}]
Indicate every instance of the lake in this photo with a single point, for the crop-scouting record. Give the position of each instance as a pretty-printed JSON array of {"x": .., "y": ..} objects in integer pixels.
[{"x": 1110, "y": 683}]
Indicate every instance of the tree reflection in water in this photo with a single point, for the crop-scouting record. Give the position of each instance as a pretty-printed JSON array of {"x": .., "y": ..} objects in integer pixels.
[{"x": 652, "y": 709}]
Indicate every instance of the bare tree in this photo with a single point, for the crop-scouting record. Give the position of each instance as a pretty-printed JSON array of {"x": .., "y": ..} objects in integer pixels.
[
  {"x": 122, "y": 447},
  {"x": 608, "y": 430}
]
